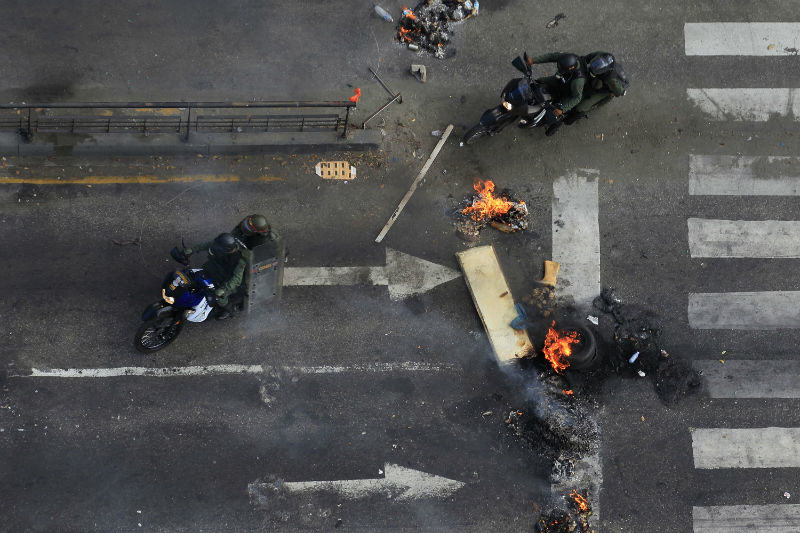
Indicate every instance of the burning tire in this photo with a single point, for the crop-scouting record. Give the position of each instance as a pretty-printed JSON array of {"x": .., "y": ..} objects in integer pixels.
[
  {"x": 584, "y": 356},
  {"x": 571, "y": 347}
]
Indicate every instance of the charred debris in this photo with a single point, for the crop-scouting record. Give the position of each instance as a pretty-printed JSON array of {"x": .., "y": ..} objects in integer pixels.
[
  {"x": 559, "y": 384},
  {"x": 429, "y": 26}
]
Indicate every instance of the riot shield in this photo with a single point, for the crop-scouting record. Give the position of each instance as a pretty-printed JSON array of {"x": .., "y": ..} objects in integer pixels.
[{"x": 265, "y": 276}]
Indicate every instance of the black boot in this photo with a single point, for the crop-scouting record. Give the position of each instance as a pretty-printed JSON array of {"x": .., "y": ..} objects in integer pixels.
[
  {"x": 572, "y": 117},
  {"x": 223, "y": 314},
  {"x": 552, "y": 128}
]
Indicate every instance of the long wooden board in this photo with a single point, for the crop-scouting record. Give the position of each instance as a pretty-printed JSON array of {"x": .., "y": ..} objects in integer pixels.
[{"x": 494, "y": 302}]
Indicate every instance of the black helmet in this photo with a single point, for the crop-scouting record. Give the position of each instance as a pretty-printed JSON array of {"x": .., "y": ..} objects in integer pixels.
[
  {"x": 601, "y": 63},
  {"x": 224, "y": 244},
  {"x": 254, "y": 224},
  {"x": 567, "y": 64}
]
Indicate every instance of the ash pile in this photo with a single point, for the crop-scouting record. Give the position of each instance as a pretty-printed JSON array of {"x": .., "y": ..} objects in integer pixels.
[
  {"x": 429, "y": 25},
  {"x": 572, "y": 518},
  {"x": 502, "y": 211},
  {"x": 635, "y": 349}
]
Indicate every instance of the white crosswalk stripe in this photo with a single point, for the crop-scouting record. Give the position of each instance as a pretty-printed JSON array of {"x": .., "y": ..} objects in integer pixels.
[
  {"x": 747, "y": 518},
  {"x": 751, "y": 104},
  {"x": 725, "y": 175},
  {"x": 750, "y": 378},
  {"x": 772, "y": 447},
  {"x": 744, "y": 310},
  {"x": 741, "y": 38},
  {"x": 744, "y": 238},
  {"x": 723, "y": 448}
]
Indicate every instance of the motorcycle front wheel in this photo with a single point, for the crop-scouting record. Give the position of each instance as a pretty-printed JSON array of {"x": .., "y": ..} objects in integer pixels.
[
  {"x": 154, "y": 335},
  {"x": 475, "y": 133}
]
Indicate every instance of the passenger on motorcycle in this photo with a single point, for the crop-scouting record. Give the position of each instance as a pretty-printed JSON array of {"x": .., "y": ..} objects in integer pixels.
[
  {"x": 605, "y": 80},
  {"x": 254, "y": 230},
  {"x": 225, "y": 266}
]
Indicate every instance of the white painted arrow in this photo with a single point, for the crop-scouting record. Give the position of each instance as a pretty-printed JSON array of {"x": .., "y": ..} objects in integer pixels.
[
  {"x": 404, "y": 274},
  {"x": 399, "y": 483}
]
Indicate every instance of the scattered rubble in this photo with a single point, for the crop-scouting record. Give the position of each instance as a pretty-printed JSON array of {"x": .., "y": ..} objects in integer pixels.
[
  {"x": 554, "y": 21},
  {"x": 429, "y": 25},
  {"x": 636, "y": 349},
  {"x": 419, "y": 71}
]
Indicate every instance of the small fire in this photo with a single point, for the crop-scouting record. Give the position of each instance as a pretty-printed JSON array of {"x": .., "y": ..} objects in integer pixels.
[
  {"x": 568, "y": 392},
  {"x": 487, "y": 205},
  {"x": 558, "y": 347},
  {"x": 580, "y": 501}
]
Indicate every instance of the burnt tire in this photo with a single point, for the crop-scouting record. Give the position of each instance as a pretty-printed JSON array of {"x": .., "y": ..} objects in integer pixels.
[
  {"x": 587, "y": 357},
  {"x": 475, "y": 133},
  {"x": 155, "y": 335}
]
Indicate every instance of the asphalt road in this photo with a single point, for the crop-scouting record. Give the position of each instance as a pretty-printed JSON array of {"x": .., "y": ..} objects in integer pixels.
[{"x": 181, "y": 453}]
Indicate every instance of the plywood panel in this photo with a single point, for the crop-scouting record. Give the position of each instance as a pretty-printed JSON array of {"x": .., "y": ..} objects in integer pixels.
[{"x": 494, "y": 302}]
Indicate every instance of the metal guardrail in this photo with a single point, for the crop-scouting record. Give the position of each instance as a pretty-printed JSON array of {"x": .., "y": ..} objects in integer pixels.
[{"x": 128, "y": 117}]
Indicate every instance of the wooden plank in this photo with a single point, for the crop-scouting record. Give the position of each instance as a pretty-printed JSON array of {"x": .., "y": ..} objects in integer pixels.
[
  {"x": 413, "y": 187},
  {"x": 494, "y": 303}
]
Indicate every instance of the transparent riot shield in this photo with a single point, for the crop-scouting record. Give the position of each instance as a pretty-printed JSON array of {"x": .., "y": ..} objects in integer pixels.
[{"x": 265, "y": 276}]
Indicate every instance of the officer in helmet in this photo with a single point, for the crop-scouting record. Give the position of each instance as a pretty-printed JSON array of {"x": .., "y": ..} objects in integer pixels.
[
  {"x": 254, "y": 230},
  {"x": 225, "y": 266},
  {"x": 566, "y": 85}
]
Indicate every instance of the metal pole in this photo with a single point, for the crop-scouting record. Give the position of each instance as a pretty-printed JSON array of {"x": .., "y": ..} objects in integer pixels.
[
  {"x": 388, "y": 90},
  {"x": 375, "y": 114},
  {"x": 188, "y": 121},
  {"x": 346, "y": 120}
]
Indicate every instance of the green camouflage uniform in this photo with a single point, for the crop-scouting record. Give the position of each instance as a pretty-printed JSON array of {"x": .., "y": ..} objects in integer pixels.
[
  {"x": 557, "y": 88},
  {"x": 225, "y": 279}
]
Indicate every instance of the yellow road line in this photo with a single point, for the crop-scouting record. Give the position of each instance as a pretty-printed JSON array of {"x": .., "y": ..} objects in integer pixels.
[{"x": 124, "y": 180}]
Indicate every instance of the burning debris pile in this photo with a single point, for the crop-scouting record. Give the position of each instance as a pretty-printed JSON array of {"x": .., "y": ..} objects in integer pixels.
[
  {"x": 502, "y": 211},
  {"x": 636, "y": 335},
  {"x": 573, "y": 519},
  {"x": 429, "y": 25}
]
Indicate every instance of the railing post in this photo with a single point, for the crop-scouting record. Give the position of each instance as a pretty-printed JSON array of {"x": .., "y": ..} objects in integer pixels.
[
  {"x": 188, "y": 121},
  {"x": 346, "y": 120},
  {"x": 29, "y": 132}
]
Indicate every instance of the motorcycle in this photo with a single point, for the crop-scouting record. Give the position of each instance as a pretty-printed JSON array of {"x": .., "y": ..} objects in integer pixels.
[
  {"x": 523, "y": 99},
  {"x": 187, "y": 295}
]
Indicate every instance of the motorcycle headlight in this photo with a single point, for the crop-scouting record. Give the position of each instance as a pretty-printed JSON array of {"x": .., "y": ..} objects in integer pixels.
[
  {"x": 507, "y": 105},
  {"x": 169, "y": 299}
]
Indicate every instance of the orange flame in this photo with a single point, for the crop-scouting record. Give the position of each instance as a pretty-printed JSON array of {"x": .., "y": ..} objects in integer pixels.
[
  {"x": 407, "y": 13},
  {"x": 582, "y": 502},
  {"x": 558, "y": 347},
  {"x": 567, "y": 392},
  {"x": 488, "y": 205}
]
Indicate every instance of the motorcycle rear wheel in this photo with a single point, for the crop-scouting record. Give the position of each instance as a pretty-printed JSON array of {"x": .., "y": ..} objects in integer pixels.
[
  {"x": 475, "y": 133},
  {"x": 151, "y": 337}
]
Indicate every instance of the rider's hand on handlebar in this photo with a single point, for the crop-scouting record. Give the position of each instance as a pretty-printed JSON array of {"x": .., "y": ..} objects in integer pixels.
[{"x": 557, "y": 112}]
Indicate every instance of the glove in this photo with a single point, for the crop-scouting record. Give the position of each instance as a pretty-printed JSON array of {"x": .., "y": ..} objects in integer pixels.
[
  {"x": 187, "y": 252},
  {"x": 219, "y": 293}
]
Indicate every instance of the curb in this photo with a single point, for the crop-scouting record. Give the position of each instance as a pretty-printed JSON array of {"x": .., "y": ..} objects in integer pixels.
[{"x": 116, "y": 144}]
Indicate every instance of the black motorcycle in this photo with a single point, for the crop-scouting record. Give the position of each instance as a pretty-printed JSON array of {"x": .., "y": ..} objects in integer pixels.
[{"x": 523, "y": 99}]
